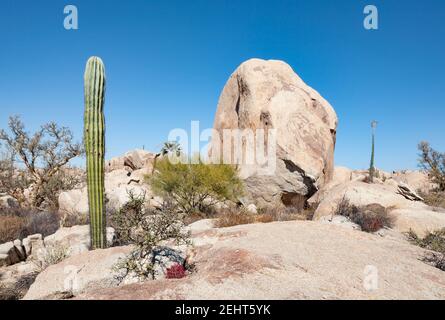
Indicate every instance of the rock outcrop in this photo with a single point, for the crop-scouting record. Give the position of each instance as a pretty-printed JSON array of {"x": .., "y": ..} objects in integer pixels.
[
  {"x": 11, "y": 253},
  {"x": 131, "y": 161},
  {"x": 89, "y": 271},
  {"x": 75, "y": 239},
  {"x": 293, "y": 260},
  {"x": 270, "y": 95},
  {"x": 397, "y": 198},
  {"x": 123, "y": 175}
]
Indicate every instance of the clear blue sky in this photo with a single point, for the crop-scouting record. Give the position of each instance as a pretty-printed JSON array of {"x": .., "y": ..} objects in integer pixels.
[{"x": 167, "y": 62}]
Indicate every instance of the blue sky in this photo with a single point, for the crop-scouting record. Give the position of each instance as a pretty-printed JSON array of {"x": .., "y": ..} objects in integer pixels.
[{"x": 167, "y": 62}]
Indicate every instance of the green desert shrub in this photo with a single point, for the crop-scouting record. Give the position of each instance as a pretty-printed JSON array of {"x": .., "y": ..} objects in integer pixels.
[
  {"x": 196, "y": 187},
  {"x": 433, "y": 163},
  {"x": 370, "y": 218}
]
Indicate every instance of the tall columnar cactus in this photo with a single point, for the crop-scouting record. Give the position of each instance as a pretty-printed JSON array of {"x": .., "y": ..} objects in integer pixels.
[
  {"x": 371, "y": 166},
  {"x": 94, "y": 139}
]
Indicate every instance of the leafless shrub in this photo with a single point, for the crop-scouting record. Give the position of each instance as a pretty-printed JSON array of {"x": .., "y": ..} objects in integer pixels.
[
  {"x": 370, "y": 218},
  {"x": 434, "y": 241},
  {"x": 52, "y": 255},
  {"x": 42, "y": 157},
  {"x": 434, "y": 199},
  {"x": 11, "y": 228},
  {"x": 146, "y": 228},
  {"x": 17, "y": 290},
  {"x": 74, "y": 219},
  {"x": 233, "y": 216},
  {"x": 18, "y": 223}
]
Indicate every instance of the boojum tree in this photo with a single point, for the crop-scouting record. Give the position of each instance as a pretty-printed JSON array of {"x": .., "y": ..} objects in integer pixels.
[{"x": 371, "y": 166}]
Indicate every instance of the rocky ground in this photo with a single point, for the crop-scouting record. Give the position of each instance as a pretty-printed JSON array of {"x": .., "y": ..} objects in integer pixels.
[
  {"x": 326, "y": 258},
  {"x": 280, "y": 260}
]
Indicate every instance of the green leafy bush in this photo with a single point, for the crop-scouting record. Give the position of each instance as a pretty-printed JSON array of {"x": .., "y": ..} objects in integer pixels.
[{"x": 196, "y": 187}]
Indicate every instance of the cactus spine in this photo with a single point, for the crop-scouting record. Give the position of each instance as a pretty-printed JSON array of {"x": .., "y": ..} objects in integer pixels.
[{"x": 94, "y": 139}]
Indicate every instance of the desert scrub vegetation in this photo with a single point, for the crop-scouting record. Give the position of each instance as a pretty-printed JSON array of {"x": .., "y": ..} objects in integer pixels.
[
  {"x": 434, "y": 199},
  {"x": 370, "y": 218},
  {"x": 434, "y": 241},
  {"x": 147, "y": 229},
  {"x": 196, "y": 188},
  {"x": 18, "y": 223},
  {"x": 37, "y": 163},
  {"x": 432, "y": 162},
  {"x": 51, "y": 255},
  {"x": 233, "y": 216}
]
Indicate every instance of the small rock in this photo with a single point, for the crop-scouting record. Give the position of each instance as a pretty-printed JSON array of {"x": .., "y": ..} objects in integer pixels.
[
  {"x": 9, "y": 254},
  {"x": 252, "y": 208},
  {"x": 29, "y": 241},
  {"x": 341, "y": 221}
]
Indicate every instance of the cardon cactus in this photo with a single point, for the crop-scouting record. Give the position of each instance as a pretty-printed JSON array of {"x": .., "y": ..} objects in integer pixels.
[{"x": 94, "y": 139}]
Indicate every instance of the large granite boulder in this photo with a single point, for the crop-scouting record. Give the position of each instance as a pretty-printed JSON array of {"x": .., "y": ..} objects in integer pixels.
[
  {"x": 131, "y": 161},
  {"x": 270, "y": 95}
]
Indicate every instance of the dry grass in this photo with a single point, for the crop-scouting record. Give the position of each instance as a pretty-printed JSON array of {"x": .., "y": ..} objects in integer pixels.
[
  {"x": 52, "y": 255},
  {"x": 18, "y": 223},
  {"x": 237, "y": 216},
  {"x": 232, "y": 217},
  {"x": 434, "y": 199},
  {"x": 11, "y": 228}
]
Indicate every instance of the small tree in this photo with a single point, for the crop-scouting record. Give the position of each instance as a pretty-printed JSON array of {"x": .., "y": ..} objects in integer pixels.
[
  {"x": 433, "y": 163},
  {"x": 196, "y": 187},
  {"x": 41, "y": 157}
]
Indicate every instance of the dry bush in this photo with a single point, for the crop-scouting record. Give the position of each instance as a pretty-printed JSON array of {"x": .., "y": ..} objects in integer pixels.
[
  {"x": 43, "y": 155},
  {"x": 9, "y": 293},
  {"x": 17, "y": 290},
  {"x": 11, "y": 228},
  {"x": 370, "y": 218},
  {"x": 147, "y": 228},
  {"x": 18, "y": 223},
  {"x": 233, "y": 216},
  {"x": 75, "y": 219},
  {"x": 434, "y": 199},
  {"x": 434, "y": 241},
  {"x": 52, "y": 255},
  {"x": 45, "y": 223}
]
